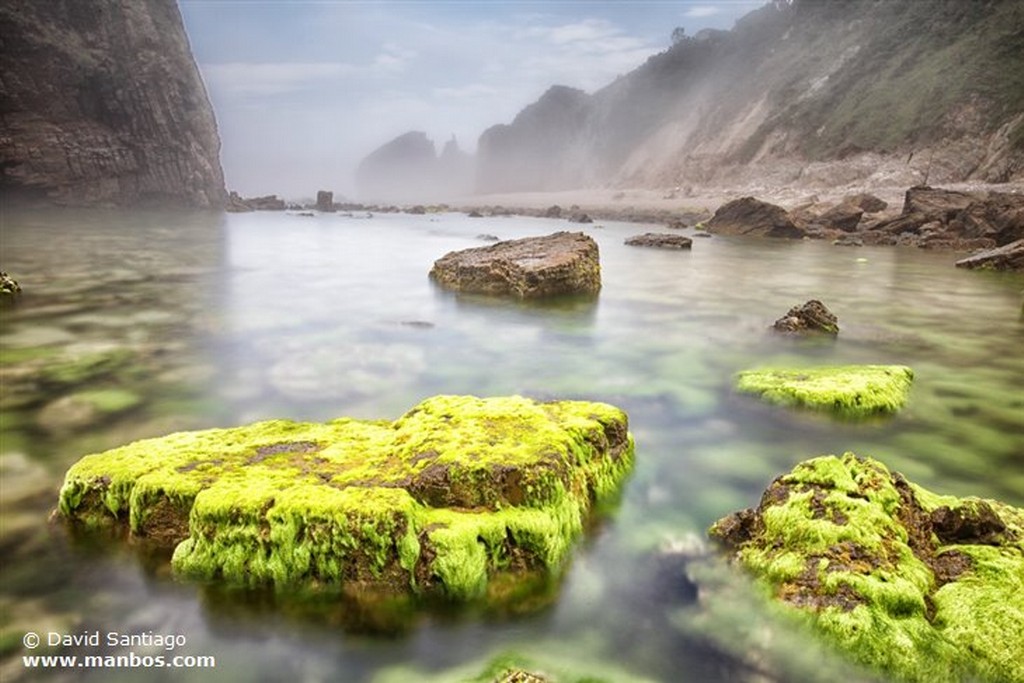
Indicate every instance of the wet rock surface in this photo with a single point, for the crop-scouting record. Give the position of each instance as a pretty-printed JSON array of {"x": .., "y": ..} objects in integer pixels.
[
  {"x": 529, "y": 268},
  {"x": 660, "y": 241},
  {"x": 812, "y": 316},
  {"x": 460, "y": 497},
  {"x": 1007, "y": 257},
  {"x": 851, "y": 391},
  {"x": 916, "y": 585}
]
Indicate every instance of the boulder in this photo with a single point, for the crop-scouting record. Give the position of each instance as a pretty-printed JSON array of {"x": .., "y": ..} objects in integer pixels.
[
  {"x": 660, "y": 241},
  {"x": 749, "y": 216},
  {"x": 936, "y": 202},
  {"x": 868, "y": 203},
  {"x": 529, "y": 268},
  {"x": 460, "y": 497},
  {"x": 812, "y": 316},
  {"x": 1006, "y": 257},
  {"x": 553, "y": 211},
  {"x": 843, "y": 217},
  {"x": 852, "y": 391},
  {"x": 324, "y": 201},
  {"x": 957, "y": 220},
  {"x": 580, "y": 217},
  {"x": 915, "y": 585},
  {"x": 9, "y": 287}
]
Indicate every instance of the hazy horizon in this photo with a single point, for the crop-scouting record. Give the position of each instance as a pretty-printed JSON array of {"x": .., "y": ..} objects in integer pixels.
[{"x": 303, "y": 91}]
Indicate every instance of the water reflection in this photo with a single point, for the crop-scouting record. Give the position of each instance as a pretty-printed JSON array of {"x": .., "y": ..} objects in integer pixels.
[{"x": 135, "y": 325}]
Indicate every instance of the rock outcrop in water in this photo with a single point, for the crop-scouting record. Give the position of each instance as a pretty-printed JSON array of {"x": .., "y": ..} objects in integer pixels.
[
  {"x": 461, "y": 496},
  {"x": 811, "y": 317},
  {"x": 1008, "y": 257},
  {"x": 919, "y": 586},
  {"x": 102, "y": 103},
  {"x": 753, "y": 217},
  {"x": 850, "y": 390},
  {"x": 529, "y": 268}
]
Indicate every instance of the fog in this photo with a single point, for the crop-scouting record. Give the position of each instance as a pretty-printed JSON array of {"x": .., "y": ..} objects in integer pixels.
[{"x": 304, "y": 92}]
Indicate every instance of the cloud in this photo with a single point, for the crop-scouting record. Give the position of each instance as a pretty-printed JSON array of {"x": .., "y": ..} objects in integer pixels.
[
  {"x": 262, "y": 79},
  {"x": 698, "y": 11}
]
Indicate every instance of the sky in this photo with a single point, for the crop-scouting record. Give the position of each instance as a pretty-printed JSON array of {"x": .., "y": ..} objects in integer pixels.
[{"x": 304, "y": 89}]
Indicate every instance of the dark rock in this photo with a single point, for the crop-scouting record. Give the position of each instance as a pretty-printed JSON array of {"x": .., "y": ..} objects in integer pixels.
[
  {"x": 580, "y": 217},
  {"x": 749, "y": 216},
  {"x": 475, "y": 214},
  {"x": 554, "y": 211},
  {"x": 9, "y": 287},
  {"x": 417, "y": 210},
  {"x": 487, "y": 238},
  {"x": 661, "y": 241},
  {"x": 324, "y": 201},
  {"x": 848, "y": 241},
  {"x": 868, "y": 203},
  {"x": 1007, "y": 257},
  {"x": 937, "y": 203},
  {"x": 813, "y": 316},
  {"x": 676, "y": 224},
  {"x": 843, "y": 217},
  {"x": 534, "y": 267},
  {"x": 103, "y": 105}
]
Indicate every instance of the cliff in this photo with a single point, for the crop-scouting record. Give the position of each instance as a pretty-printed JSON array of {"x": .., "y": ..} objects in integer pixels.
[
  {"x": 806, "y": 92},
  {"x": 408, "y": 169},
  {"x": 101, "y": 103}
]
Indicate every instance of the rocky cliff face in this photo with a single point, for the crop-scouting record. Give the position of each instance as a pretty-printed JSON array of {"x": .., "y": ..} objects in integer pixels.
[
  {"x": 408, "y": 169},
  {"x": 808, "y": 92},
  {"x": 101, "y": 103}
]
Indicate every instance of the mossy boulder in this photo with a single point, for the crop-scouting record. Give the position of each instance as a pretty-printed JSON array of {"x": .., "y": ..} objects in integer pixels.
[
  {"x": 849, "y": 390},
  {"x": 453, "y": 498},
  {"x": 919, "y": 586}
]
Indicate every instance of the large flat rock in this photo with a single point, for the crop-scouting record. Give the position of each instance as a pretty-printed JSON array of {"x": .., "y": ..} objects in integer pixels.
[
  {"x": 847, "y": 390},
  {"x": 529, "y": 268},
  {"x": 458, "y": 495}
]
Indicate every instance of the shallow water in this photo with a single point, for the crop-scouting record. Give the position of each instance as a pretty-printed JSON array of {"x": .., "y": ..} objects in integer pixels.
[{"x": 135, "y": 325}]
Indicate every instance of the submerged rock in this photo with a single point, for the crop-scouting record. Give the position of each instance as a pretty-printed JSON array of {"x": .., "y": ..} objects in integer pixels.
[
  {"x": 529, "y": 268},
  {"x": 812, "y": 316},
  {"x": 661, "y": 241},
  {"x": 1008, "y": 257},
  {"x": 916, "y": 585},
  {"x": 850, "y": 390},
  {"x": 749, "y": 216},
  {"x": 461, "y": 496},
  {"x": 9, "y": 287}
]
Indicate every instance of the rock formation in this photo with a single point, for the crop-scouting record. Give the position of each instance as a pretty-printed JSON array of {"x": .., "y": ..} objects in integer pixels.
[
  {"x": 1007, "y": 257},
  {"x": 408, "y": 169},
  {"x": 798, "y": 92},
  {"x": 660, "y": 241},
  {"x": 528, "y": 268},
  {"x": 916, "y": 585},
  {"x": 102, "y": 103},
  {"x": 460, "y": 497},
  {"x": 749, "y": 216},
  {"x": 848, "y": 391},
  {"x": 812, "y": 316}
]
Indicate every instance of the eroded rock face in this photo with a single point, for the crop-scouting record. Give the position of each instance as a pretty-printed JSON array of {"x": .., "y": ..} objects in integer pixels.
[
  {"x": 750, "y": 216},
  {"x": 459, "y": 497},
  {"x": 1008, "y": 257},
  {"x": 660, "y": 241},
  {"x": 530, "y": 268},
  {"x": 917, "y": 585},
  {"x": 103, "y": 104},
  {"x": 812, "y": 316}
]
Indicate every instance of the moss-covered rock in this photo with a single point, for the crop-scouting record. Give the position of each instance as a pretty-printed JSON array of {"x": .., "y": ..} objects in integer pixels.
[
  {"x": 452, "y": 498},
  {"x": 920, "y": 586},
  {"x": 849, "y": 390}
]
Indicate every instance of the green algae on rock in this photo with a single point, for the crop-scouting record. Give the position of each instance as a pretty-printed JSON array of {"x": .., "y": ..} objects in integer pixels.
[
  {"x": 847, "y": 390},
  {"x": 450, "y": 499},
  {"x": 920, "y": 586}
]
